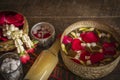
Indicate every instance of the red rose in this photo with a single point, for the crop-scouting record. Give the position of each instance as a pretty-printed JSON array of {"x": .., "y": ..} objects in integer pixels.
[
  {"x": 14, "y": 18},
  {"x": 67, "y": 40},
  {"x": 83, "y": 55},
  {"x": 24, "y": 58},
  {"x": 76, "y": 45},
  {"x": 109, "y": 48},
  {"x": 89, "y": 37},
  {"x": 9, "y": 17},
  {"x": 96, "y": 57},
  {"x": 32, "y": 50}
]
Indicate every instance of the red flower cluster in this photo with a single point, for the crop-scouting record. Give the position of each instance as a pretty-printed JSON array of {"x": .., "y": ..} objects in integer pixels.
[
  {"x": 9, "y": 17},
  {"x": 108, "y": 48}
]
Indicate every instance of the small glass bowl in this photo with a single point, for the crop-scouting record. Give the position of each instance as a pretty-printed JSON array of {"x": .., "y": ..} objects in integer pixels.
[
  {"x": 12, "y": 66},
  {"x": 43, "y": 32}
]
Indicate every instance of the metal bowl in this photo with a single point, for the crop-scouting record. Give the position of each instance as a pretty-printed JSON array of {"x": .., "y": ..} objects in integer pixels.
[{"x": 47, "y": 41}]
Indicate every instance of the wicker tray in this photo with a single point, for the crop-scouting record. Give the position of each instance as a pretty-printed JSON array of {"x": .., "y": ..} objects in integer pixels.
[{"x": 9, "y": 45}]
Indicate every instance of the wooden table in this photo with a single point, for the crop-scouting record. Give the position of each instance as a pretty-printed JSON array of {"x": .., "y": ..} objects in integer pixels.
[{"x": 62, "y": 13}]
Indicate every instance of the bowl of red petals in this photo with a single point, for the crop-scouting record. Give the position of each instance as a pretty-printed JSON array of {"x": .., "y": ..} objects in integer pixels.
[
  {"x": 10, "y": 21},
  {"x": 44, "y": 32},
  {"x": 90, "y": 49}
]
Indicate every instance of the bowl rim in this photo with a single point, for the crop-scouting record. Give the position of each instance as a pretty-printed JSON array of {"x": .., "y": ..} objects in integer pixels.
[{"x": 42, "y": 23}]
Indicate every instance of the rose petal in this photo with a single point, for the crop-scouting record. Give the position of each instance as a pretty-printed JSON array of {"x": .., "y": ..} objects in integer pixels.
[
  {"x": 67, "y": 40},
  {"x": 2, "y": 19},
  {"x": 109, "y": 48},
  {"x": 83, "y": 54},
  {"x": 32, "y": 50},
  {"x": 17, "y": 24},
  {"x": 9, "y": 17},
  {"x": 13, "y": 17},
  {"x": 76, "y": 45},
  {"x": 24, "y": 58},
  {"x": 75, "y": 60},
  {"x": 2, "y": 38},
  {"x": 89, "y": 37},
  {"x": 46, "y": 35},
  {"x": 96, "y": 57}
]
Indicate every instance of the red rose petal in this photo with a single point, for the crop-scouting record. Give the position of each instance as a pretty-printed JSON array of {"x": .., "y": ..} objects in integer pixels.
[
  {"x": 89, "y": 37},
  {"x": 1, "y": 32},
  {"x": 96, "y": 57},
  {"x": 67, "y": 40},
  {"x": 75, "y": 60},
  {"x": 83, "y": 54},
  {"x": 2, "y": 19},
  {"x": 36, "y": 35},
  {"x": 19, "y": 17},
  {"x": 76, "y": 45},
  {"x": 9, "y": 17},
  {"x": 59, "y": 36},
  {"x": 2, "y": 38},
  {"x": 24, "y": 58},
  {"x": 32, "y": 50},
  {"x": 46, "y": 35},
  {"x": 109, "y": 48},
  {"x": 18, "y": 24},
  {"x": 17, "y": 21}
]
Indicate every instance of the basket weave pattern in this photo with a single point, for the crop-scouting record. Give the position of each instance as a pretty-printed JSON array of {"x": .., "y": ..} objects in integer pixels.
[{"x": 89, "y": 72}]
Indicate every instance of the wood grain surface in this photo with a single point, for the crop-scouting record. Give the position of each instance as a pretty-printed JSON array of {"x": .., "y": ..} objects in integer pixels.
[{"x": 62, "y": 13}]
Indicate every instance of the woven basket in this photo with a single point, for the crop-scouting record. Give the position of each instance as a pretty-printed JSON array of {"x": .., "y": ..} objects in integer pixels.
[
  {"x": 9, "y": 45},
  {"x": 90, "y": 72}
]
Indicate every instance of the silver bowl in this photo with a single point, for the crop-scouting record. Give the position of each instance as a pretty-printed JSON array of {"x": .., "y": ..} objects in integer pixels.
[{"x": 44, "y": 42}]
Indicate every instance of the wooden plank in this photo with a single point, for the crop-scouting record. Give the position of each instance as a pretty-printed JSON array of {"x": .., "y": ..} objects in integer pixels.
[{"x": 63, "y": 7}]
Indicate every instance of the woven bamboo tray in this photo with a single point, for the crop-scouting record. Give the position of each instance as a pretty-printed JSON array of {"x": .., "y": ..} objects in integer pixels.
[
  {"x": 90, "y": 72},
  {"x": 9, "y": 45}
]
